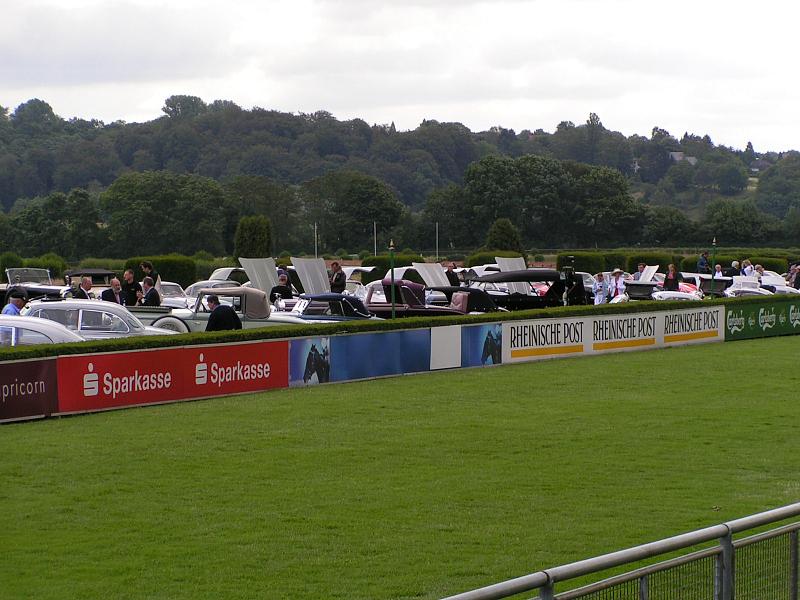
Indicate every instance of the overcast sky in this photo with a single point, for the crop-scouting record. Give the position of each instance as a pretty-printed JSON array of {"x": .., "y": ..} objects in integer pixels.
[{"x": 725, "y": 68}]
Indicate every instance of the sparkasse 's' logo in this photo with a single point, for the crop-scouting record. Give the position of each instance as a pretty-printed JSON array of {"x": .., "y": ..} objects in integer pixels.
[
  {"x": 91, "y": 382},
  {"x": 201, "y": 372}
]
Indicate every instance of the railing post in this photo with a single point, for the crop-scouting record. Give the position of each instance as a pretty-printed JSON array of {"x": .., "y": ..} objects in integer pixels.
[
  {"x": 728, "y": 566},
  {"x": 644, "y": 590},
  {"x": 546, "y": 592},
  {"x": 793, "y": 565}
]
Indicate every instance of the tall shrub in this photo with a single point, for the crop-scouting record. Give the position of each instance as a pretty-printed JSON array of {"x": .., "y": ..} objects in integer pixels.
[{"x": 253, "y": 237}]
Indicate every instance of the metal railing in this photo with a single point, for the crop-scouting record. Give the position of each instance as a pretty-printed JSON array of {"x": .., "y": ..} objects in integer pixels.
[{"x": 759, "y": 567}]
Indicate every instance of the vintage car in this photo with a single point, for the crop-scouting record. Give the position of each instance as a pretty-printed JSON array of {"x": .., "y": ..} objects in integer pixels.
[
  {"x": 534, "y": 288},
  {"x": 409, "y": 300},
  {"x": 27, "y": 331},
  {"x": 194, "y": 289},
  {"x": 651, "y": 290},
  {"x": 330, "y": 307},
  {"x": 173, "y": 295},
  {"x": 34, "y": 282},
  {"x": 469, "y": 300},
  {"x": 91, "y": 319},
  {"x": 250, "y": 304}
]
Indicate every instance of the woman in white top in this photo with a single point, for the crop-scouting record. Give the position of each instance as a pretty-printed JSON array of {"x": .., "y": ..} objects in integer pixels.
[
  {"x": 600, "y": 289},
  {"x": 616, "y": 287}
]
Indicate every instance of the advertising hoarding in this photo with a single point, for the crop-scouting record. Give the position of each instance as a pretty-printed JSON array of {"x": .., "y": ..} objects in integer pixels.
[
  {"x": 366, "y": 355},
  {"x": 762, "y": 320},
  {"x": 28, "y": 389},
  {"x": 103, "y": 381}
]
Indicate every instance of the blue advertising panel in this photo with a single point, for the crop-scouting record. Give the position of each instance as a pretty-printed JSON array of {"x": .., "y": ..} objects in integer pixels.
[
  {"x": 482, "y": 345},
  {"x": 376, "y": 354},
  {"x": 309, "y": 361}
]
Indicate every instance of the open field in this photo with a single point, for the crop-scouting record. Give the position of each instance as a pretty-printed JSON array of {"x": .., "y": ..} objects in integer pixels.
[{"x": 412, "y": 487}]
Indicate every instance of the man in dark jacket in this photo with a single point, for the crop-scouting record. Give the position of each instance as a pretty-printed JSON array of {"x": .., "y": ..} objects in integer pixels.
[
  {"x": 114, "y": 293},
  {"x": 151, "y": 296},
  {"x": 338, "y": 278},
  {"x": 222, "y": 316},
  {"x": 130, "y": 289}
]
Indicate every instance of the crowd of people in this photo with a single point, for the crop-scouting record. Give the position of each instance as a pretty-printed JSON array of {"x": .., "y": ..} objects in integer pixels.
[{"x": 606, "y": 289}]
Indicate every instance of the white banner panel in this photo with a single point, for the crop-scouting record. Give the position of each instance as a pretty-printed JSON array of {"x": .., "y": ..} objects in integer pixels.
[
  {"x": 544, "y": 338},
  {"x": 445, "y": 347},
  {"x": 693, "y": 326}
]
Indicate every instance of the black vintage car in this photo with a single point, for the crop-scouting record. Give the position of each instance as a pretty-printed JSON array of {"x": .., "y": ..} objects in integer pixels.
[{"x": 556, "y": 288}]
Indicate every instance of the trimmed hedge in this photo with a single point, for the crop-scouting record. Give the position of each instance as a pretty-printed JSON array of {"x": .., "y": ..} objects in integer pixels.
[
  {"x": 662, "y": 259},
  {"x": 779, "y": 265},
  {"x": 615, "y": 260},
  {"x": 204, "y": 268},
  {"x": 51, "y": 261},
  {"x": 590, "y": 262},
  {"x": 486, "y": 257},
  {"x": 382, "y": 262},
  {"x": 689, "y": 263},
  {"x": 112, "y": 264},
  {"x": 322, "y": 330},
  {"x": 172, "y": 267}
]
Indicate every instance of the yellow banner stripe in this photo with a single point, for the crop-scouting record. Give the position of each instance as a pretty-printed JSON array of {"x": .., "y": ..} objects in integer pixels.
[
  {"x": 546, "y": 351},
  {"x": 624, "y": 344},
  {"x": 682, "y": 337}
]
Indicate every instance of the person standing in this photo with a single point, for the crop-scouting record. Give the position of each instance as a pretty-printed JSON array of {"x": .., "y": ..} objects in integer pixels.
[
  {"x": 150, "y": 296},
  {"x": 222, "y": 317},
  {"x": 338, "y": 279},
  {"x": 16, "y": 301},
  {"x": 452, "y": 276},
  {"x": 616, "y": 287},
  {"x": 114, "y": 293},
  {"x": 600, "y": 289},
  {"x": 718, "y": 274},
  {"x": 703, "y": 266},
  {"x": 131, "y": 290},
  {"x": 640, "y": 267},
  {"x": 84, "y": 290},
  {"x": 149, "y": 271},
  {"x": 282, "y": 290},
  {"x": 672, "y": 279}
]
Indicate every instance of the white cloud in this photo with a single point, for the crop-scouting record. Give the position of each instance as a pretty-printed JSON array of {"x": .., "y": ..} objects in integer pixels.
[{"x": 722, "y": 68}]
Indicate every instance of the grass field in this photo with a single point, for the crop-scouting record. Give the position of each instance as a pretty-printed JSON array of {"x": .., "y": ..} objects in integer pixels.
[{"x": 412, "y": 487}]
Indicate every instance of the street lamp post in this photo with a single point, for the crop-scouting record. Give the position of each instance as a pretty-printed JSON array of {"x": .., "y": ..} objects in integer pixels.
[
  {"x": 713, "y": 263},
  {"x": 391, "y": 270}
]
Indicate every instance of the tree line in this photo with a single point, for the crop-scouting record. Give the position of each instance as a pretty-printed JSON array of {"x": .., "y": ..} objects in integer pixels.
[{"x": 183, "y": 181}]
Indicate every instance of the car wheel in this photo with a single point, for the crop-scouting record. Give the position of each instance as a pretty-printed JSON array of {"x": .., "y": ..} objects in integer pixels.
[{"x": 172, "y": 324}]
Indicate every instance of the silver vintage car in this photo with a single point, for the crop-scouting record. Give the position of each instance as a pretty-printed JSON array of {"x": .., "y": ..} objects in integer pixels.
[
  {"x": 91, "y": 319},
  {"x": 27, "y": 331}
]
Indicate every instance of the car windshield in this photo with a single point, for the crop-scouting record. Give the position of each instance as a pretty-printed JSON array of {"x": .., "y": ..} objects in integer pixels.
[
  {"x": 171, "y": 290},
  {"x": 28, "y": 275}
]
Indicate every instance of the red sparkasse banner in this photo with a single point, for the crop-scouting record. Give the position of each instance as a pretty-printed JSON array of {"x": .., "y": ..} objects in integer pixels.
[
  {"x": 101, "y": 381},
  {"x": 232, "y": 369}
]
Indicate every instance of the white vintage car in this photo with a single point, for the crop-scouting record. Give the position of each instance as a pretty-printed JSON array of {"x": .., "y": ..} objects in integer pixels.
[{"x": 27, "y": 331}]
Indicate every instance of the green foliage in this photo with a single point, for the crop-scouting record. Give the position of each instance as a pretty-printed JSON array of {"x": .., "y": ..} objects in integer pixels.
[
  {"x": 112, "y": 264},
  {"x": 203, "y": 255},
  {"x": 364, "y": 254},
  {"x": 253, "y": 238},
  {"x": 487, "y": 257},
  {"x": 503, "y": 235},
  {"x": 779, "y": 265},
  {"x": 9, "y": 260},
  {"x": 51, "y": 261},
  {"x": 204, "y": 268},
  {"x": 382, "y": 262},
  {"x": 590, "y": 262},
  {"x": 164, "y": 212},
  {"x": 662, "y": 259},
  {"x": 171, "y": 267},
  {"x": 615, "y": 260},
  {"x": 344, "y": 204}
]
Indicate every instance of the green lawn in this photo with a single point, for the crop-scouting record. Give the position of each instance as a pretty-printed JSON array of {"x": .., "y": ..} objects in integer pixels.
[{"x": 412, "y": 487}]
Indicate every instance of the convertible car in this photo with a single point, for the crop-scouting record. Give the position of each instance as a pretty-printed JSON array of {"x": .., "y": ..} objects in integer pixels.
[
  {"x": 533, "y": 288},
  {"x": 409, "y": 301}
]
